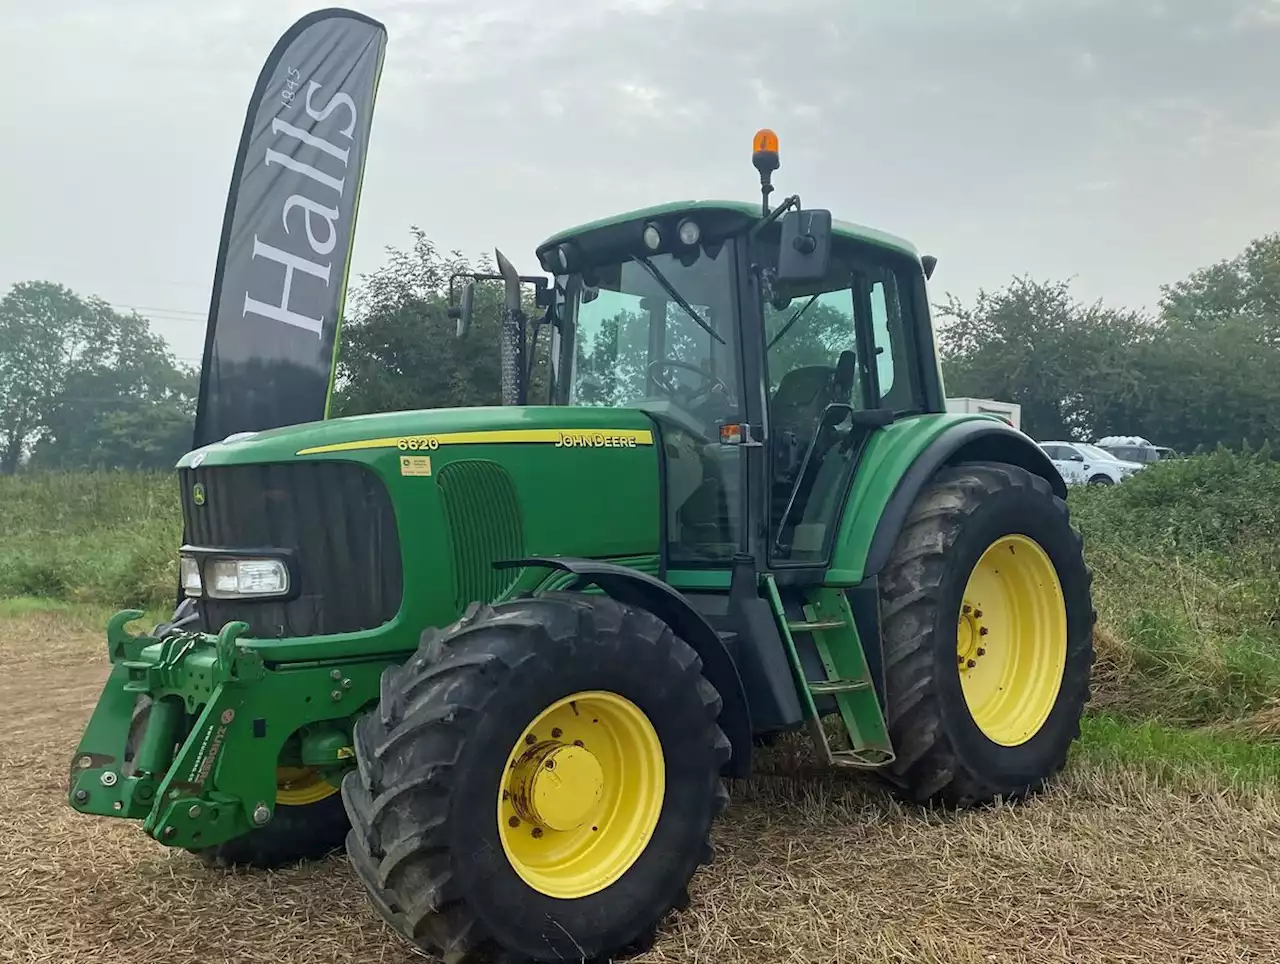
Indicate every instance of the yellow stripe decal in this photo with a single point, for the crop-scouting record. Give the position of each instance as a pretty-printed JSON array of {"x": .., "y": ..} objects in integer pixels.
[{"x": 609, "y": 438}]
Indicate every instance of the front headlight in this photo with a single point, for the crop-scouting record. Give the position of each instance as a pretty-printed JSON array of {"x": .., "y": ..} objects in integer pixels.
[
  {"x": 189, "y": 567},
  {"x": 219, "y": 574},
  {"x": 247, "y": 578}
]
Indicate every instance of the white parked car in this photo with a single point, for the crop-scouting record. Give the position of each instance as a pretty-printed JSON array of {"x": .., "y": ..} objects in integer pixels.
[{"x": 1080, "y": 463}]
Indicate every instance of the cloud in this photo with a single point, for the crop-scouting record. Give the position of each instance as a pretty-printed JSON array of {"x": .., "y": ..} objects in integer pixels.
[{"x": 1085, "y": 63}]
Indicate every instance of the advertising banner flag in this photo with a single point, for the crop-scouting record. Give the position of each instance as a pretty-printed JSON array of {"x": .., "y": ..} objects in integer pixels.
[{"x": 271, "y": 346}]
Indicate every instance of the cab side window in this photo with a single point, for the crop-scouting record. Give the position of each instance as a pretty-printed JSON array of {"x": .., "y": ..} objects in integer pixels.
[{"x": 892, "y": 338}]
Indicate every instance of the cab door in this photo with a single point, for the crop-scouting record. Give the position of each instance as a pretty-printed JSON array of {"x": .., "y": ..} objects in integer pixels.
[{"x": 840, "y": 364}]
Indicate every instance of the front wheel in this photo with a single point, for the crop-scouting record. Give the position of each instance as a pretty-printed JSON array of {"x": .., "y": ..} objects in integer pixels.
[
  {"x": 1101, "y": 480},
  {"x": 988, "y": 635},
  {"x": 540, "y": 779}
]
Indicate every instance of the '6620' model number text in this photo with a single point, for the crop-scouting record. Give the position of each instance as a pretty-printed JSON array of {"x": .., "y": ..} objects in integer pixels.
[{"x": 421, "y": 443}]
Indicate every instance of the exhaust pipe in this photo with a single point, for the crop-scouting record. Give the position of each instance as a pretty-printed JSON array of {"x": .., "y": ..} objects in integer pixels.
[{"x": 511, "y": 338}]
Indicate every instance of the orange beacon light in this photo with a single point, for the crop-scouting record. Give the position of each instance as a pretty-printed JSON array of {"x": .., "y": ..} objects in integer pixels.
[{"x": 765, "y": 158}]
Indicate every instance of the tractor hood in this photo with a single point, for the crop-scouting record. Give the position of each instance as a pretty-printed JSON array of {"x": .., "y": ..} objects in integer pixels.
[{"x": 427, "y": 429}]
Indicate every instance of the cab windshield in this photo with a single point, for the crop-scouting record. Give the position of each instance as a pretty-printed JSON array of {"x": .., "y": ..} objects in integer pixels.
[{"x": 658, "y": 333}]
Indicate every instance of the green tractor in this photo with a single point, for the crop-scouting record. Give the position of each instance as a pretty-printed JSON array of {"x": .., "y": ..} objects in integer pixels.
[{"x": 512, "y": 655}]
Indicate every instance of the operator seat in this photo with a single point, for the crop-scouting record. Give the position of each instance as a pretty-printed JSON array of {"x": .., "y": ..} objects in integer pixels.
[
  {"x": 793, "y": 415},
  {"x": 796, "y": 416},
  {"x": 802, "y": 396}
]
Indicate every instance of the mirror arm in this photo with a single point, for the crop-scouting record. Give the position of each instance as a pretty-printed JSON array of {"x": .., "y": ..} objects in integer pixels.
[
  {"x": 781, "y": 209},
  {"x": 538, "y": 281}
]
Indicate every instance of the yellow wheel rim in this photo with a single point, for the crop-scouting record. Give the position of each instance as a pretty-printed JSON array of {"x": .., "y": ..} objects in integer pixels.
[
  {"x": 1011, "y": 641},
  {"x": 581, "y": 794},
  {"x": 300, "y": 786}
]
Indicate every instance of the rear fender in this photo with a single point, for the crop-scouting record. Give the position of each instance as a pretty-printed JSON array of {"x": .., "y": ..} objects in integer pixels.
[
  {"x": 984, "y": 440},
  {"x": 646, "y": 592},
  {"x": 896, "y": 463}
]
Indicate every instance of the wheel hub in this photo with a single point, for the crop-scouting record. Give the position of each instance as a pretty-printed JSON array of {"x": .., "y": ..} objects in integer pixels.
[
  {"x": 557, "y": 786},
  {"x": 581, "y": 793},
  {"x": 971, "y": 636}
]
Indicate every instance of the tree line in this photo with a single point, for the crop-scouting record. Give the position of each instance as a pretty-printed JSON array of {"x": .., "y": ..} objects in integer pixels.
[
  {"x": 1203, "y": 371},
  {"x": 83, "y": 385}
]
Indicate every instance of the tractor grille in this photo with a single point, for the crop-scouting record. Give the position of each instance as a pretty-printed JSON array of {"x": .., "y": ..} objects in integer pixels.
[
  {"x": 337, "y": 518},
  {"x": 484, "y": 527}
]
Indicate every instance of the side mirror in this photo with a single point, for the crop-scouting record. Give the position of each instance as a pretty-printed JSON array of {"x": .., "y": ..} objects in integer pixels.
[
  {"x": 805, "y": 251},
  {"x": 462, "y": 311},
  {"x": 928, "y": 263}
]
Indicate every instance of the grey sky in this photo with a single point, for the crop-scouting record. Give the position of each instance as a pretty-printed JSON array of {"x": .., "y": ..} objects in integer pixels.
[{"x": 1123, "y": 144}]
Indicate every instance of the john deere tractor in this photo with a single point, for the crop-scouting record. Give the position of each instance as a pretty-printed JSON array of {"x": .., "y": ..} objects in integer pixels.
[{"x": 512, "y": 655}]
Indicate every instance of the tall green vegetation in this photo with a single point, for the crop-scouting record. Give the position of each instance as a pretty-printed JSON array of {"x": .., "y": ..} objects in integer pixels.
[
  {"x": 107, "y": 538},
  {"x": 1186, "y": 556}
]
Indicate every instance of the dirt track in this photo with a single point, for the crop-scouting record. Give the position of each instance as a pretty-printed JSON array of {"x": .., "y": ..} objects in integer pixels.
[{"x": 1107, "y": 868}]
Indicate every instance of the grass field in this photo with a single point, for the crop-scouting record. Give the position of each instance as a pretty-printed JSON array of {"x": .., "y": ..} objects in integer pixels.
[{"x": 1160, "y": 843}]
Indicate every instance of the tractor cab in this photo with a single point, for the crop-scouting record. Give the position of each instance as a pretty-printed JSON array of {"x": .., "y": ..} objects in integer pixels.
[{"x": 766, "y": 345}]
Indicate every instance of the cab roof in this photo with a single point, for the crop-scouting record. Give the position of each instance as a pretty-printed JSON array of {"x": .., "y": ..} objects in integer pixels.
[{"x": 841, "y": 229}]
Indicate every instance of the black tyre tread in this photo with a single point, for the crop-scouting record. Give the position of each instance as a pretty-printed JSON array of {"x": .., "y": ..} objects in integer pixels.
[
  {"x": 402, "y": 863},
  {"x": 927, "y": 768}
]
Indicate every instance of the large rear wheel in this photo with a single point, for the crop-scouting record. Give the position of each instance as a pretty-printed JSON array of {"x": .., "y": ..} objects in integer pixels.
[
  {"x": 540, "y": 779},
  {"x": 988, "y": 634}
]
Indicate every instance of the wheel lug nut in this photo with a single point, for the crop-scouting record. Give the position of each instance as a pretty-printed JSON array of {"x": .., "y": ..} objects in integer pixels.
[
  {"x": 556, "y": 733},
  {"x": 537, "y": 832},
  {"x": 983, "y": 631},
  {"x": 961, "y": 659},
  {"x": 513, "y": 822},
  {"x": 977, "y": 614},
  {"x": 531, "y": 739},
  {"x": 967, "y": 609},
  {"x": 971, "y": 663},
  {"x": 981, "y": 651}
]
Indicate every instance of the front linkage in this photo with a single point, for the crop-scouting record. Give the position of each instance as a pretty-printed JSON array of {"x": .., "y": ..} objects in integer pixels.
[{"x": 191, "y": 728}]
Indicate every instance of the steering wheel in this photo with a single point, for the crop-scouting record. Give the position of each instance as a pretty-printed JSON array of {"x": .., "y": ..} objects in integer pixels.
[{"x": 711, "y": 382}]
